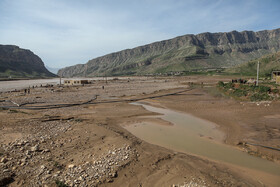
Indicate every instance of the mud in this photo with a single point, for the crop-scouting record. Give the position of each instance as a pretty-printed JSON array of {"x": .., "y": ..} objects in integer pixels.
[{"x": 66, "y": 145}]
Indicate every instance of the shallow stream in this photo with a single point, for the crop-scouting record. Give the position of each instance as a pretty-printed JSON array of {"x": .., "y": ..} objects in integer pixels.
[{"x": 196, "y": 136}]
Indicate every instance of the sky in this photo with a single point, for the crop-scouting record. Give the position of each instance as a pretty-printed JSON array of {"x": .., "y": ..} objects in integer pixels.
[{"x": 68, "y": 32}]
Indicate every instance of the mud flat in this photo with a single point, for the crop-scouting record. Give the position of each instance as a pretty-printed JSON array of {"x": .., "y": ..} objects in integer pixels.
[{"x": 88, "y": 144}]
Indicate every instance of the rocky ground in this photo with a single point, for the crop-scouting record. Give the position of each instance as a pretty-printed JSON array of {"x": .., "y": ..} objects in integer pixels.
[{"x": 85, "y": 145}]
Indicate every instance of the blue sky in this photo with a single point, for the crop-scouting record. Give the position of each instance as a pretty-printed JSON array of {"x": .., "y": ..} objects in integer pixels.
[{"x": 69, "y": 32}]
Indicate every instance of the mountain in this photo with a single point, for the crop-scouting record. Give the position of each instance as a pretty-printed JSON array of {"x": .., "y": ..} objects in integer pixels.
[
  {"x": 21, "y": 63},
  {"x": 53, "y": 70},
  {"x": 267, "y": 64},
  {"x": 183, "y": 53}
]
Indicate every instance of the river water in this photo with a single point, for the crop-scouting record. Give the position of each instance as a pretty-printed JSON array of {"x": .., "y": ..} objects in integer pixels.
[
  {"x": 193, "y": 135},
  {"x": 22, "y": 84}
]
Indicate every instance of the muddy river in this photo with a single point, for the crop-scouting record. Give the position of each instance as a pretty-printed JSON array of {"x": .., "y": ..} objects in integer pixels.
[
  {"x": 193, "y": 135},
  {"x": 22, "y": 84}
]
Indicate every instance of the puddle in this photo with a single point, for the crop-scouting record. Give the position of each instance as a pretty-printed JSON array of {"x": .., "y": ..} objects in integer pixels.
[{"x": 197, "y": 136}]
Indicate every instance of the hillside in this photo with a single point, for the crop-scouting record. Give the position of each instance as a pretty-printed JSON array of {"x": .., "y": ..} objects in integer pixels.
[
  {"x": 183, "y": 53},
  {"x": 21, "y": 63},
  {"x": 267, "y": 64}
]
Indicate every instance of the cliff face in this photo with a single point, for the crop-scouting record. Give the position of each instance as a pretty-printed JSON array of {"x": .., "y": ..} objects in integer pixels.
[
  {"x": 183, "y": 53},
  {"x": 17, "y": 62}
]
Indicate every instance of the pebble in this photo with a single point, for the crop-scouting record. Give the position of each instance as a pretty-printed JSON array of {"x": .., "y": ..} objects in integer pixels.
[
  {"x": 4, "y": 160},
  {"x": 23, "y": 153},
  {"x": 34, "y": 148},
  {"x": 25, "y": 160},
  {"x": 71, "y": 166}
]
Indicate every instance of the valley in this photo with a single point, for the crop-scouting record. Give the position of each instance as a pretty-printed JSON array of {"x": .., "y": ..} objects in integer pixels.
[{"x": 62, "y": 135}]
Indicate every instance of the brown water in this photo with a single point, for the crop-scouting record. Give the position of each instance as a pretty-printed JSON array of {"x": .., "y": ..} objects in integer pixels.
[
  {"x": 193, "y": 135},
  {"x": 21, "y": 84}
]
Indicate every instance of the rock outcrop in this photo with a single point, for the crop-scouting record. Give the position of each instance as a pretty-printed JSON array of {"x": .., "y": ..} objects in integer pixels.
[
  {"x": 21, "y": 63},
  {"x": 183, "y": 53}
]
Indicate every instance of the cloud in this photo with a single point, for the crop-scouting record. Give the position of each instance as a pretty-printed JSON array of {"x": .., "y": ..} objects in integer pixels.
[{"x": 67, "y": 32}]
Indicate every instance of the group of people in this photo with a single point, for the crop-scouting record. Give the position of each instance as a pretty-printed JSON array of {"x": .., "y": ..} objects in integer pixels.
[{"x": 27, "y": 91}]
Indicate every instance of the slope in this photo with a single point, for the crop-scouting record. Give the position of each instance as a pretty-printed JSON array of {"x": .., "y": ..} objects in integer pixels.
[
  {"x": 267, "y": 64},
  {"x": 183, "y": 53},
  {"x": 21, "y": 63}
]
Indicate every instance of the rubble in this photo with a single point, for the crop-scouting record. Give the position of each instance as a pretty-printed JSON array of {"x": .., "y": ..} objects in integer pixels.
[
  {"x": 68, "y": 147},
  {"x": 102, "y": 169},
  {"x": 25, "y": 155}
]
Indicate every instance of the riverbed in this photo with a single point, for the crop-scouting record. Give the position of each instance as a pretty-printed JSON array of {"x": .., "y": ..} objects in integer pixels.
[
  {"x": 193, "y": 135},
  {"x": 22, "y": 84}
]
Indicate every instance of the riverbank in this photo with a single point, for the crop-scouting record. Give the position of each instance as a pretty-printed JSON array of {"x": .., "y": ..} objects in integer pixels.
[
  {"x": 68, "y": 144},
  {"x": 252, "y": 122}
]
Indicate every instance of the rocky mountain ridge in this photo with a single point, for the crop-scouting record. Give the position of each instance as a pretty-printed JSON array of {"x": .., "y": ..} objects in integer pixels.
[
  {"x": 16, "y": 62},
  {"x": 183, "y": 53}
]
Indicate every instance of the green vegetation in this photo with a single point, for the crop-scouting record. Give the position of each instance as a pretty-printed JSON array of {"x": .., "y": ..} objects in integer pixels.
[
  {"x": 21, "y": 63},
  {"x": 1, "y": 109},
  {"x": 267, "y": 64},
  {"x": 78, "y": 120},
  {"x": 57, "y": 165},
  {"x": 181, "y": 54},
  {"x": 13, "y": 111},
  {"x": 264, "y": 92},
  {"x": 60, "y": 183}
]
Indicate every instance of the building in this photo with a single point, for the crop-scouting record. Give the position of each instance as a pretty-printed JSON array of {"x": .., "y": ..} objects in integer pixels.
[
  {"x": 275, "y": 75},
  {"x": 75, "y": 82},
  {"x": 278, "y": 80}
]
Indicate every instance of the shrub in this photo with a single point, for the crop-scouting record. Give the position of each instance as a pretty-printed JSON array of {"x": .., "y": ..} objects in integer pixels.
[
  {"x": 240, "y": 93},
  {"x": 260, "y": 97},
  {"x": 275, "y": 91},
  {"x": 229, "y": 85},
  {"x": 261, "y": 89},
  {"x": 221, "y": 84},
  {"x": 251, "y": 92},
  {"x": 60, "y": 183},
  {"x": 264, "y": 89},
  {"x": 57, "y": 165}
]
